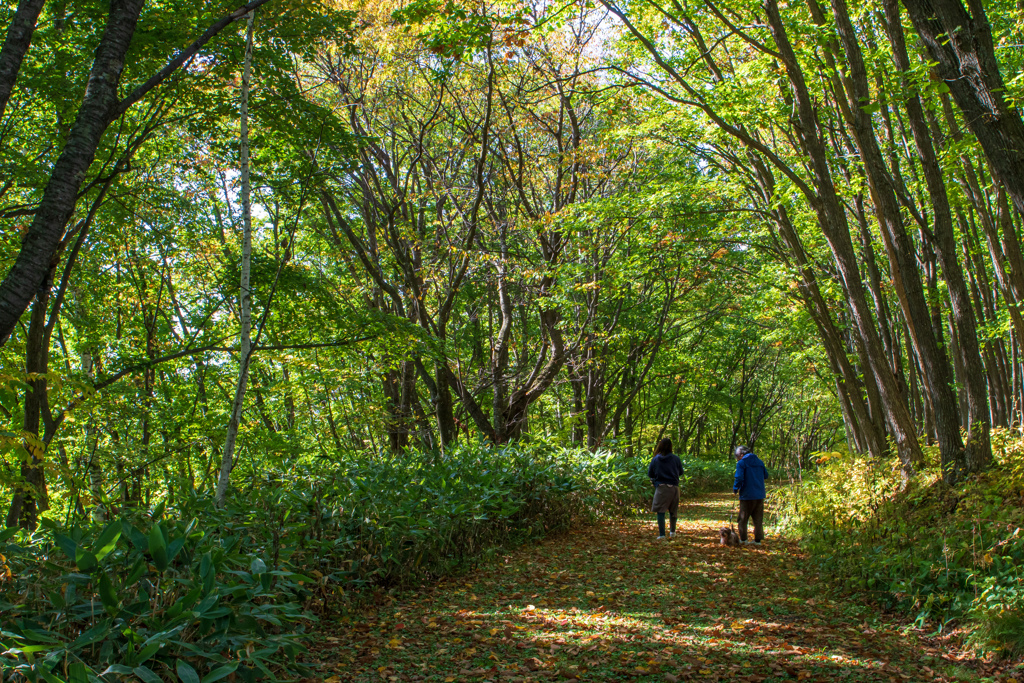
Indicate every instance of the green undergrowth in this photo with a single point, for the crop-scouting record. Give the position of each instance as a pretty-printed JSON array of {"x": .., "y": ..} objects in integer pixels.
[
  {"x": 945, "y": 555},
  {"x": 701, "y": 476},
  {"x": 155, "y": 595}
]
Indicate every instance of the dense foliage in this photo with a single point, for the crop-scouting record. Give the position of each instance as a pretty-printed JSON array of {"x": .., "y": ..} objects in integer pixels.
[
  {"x": 941, "y": 553},
  {"x": 159, "y": 593}
]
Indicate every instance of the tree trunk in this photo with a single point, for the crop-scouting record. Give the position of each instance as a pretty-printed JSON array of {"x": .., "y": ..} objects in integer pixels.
[
  {"x": 578, "y": 411},
  {"x": 1017, "y": 418},
  {"x": 628, "y": 385},
  {"x": 982, "y": 294},
  {"x": 516, "y": 410},
  {"x": 26, "y": 276},
  {"x": 441, "y": 400},
  {"x": 832, "y": 219},
  {"x": 978, "y": 454},
  {"x": 245, "y": 291},
  {"x": 596, "y": 401},
  {"x": 868, "y": 436},
  {"x": 19, "y": 36},
  {"x": 959, "y": 42},
  {"x": 902, "y": 253},
  {"x": 31, "y": 499},
  {"x": 874, "y": 281},
  {"x": 398, "y": 421}
]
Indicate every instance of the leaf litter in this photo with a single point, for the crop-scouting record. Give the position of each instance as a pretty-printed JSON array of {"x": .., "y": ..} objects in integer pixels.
[{"x": 609, "y": 603}]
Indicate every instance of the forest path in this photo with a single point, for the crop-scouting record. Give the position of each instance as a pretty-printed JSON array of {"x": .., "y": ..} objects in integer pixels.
[{"x": 609, "y": 603}]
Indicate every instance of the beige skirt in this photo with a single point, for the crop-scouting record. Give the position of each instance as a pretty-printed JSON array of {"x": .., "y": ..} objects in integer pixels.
[{"x": 666, "y": 499}]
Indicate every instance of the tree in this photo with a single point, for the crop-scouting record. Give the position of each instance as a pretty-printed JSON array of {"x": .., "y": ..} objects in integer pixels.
[
  {"x": 959, "y": 42},
  {"x": 100, "y": 107},
  {"x": 244, "y": 290}
]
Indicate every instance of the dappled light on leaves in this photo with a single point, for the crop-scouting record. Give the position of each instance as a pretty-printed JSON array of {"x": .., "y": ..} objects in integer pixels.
[{"x": 607, "y": 603}]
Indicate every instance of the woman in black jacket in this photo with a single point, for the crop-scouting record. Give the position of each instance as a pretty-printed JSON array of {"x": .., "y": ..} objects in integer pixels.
[{"x": 664, "y": 472}]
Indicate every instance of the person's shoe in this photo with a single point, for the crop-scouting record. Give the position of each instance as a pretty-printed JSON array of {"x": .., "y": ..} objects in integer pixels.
[
  {"x": 672, "y": 534},
  {"x": 757, "y": 542},
  {"x": 660, "y": 538}
]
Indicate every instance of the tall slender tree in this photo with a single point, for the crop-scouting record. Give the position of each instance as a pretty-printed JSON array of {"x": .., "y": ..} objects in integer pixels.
[{"x": 245, "y": 285}]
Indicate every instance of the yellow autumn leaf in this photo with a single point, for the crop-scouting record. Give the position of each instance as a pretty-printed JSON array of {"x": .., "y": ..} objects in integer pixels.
[
  {"x": 333, "y": 679},
  {"x": 494, "y": 631},
  {"x": 736, "y": 626},
  {"x": 449, "y": 679}
]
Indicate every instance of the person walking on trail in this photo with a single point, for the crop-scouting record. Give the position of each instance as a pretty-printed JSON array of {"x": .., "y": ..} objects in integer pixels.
[
  {"x": 664, "y": 472},
  {"x": 749, "y": 484}
]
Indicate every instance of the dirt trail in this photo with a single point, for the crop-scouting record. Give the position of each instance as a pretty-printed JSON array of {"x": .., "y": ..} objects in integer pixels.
[{"x": 609, "y": 603}]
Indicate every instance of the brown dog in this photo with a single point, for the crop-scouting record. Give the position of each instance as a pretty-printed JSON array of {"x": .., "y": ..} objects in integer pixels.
[{"x": 729, "y": 536}]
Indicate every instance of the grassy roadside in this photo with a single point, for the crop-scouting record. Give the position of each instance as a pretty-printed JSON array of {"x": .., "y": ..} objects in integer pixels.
[{"x": 608, "y": 603}]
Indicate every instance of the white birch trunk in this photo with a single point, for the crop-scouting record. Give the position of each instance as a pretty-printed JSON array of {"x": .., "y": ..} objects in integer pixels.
[{"x": 245, "y": 304}]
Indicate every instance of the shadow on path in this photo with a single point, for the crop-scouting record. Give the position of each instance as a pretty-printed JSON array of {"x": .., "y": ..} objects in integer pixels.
[{"x": 608, "y": 602}]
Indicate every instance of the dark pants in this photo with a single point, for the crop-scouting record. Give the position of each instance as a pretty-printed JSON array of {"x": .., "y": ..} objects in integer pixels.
[{"x": 751, "y": 509}]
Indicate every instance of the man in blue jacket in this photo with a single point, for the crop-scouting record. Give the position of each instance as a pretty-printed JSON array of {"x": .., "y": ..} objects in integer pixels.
[{"x": 749, "y": 483}]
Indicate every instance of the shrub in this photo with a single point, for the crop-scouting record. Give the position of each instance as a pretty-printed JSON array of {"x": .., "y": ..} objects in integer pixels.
[
  {"x": 701, "y": 476},
  {"x": 149, "y": 597},
  {"x": 191, "y": 592},
  {"x": 941, "y": 554}
]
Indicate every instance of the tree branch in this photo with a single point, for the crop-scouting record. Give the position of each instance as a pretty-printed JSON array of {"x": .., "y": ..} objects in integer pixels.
[{"x": 183, "y": 56}]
